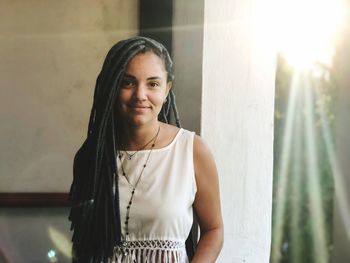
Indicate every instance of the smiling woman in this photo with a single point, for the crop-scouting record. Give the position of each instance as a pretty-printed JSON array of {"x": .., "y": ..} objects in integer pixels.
[
  {"x": 139, "y": 181},
  {"x": 143, "y": 89}
]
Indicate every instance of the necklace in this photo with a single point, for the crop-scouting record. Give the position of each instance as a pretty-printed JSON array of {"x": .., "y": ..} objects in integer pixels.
[
  {"x": 127, "y": 217},
  {"x": 130, "y": 155}
]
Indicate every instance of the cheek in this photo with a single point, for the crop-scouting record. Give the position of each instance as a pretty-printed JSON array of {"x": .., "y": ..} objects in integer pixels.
[
  {"x": 123, "y": 96},
  {"x": 159, "y": 100},
  {"x": 120, "y": 104}
]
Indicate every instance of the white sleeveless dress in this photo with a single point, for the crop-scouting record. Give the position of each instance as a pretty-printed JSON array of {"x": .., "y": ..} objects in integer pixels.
[{"x": 160, "y": 216}]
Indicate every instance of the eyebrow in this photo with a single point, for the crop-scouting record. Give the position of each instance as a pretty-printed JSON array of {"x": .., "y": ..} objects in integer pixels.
[
  {"x": 150, "y": 78},
  {"x": 154, "y": 78}
]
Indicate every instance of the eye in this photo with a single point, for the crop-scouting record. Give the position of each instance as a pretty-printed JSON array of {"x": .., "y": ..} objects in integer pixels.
[
  {"x": 154, "y": 84},
  {"x": 127, "y": 83}
]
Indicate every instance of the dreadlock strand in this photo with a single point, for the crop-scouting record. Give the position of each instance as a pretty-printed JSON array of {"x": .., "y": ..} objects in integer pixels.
[
  {"x": 168, "y": 106},
  {"x": 93, "y": 112},
  {"x": 115, "y": 200},
  {"x": 164, "y": 117},
  {"x": 175, "y": 111},
  {"x": 112, "y": 171},
  {"x": 100, "y": 218}
]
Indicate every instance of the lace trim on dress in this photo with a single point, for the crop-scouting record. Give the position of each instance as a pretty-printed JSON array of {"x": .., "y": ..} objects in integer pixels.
[{"x": 150, "y": 251}]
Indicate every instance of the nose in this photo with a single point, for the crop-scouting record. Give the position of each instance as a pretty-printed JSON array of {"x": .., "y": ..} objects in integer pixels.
[{"x": 140, "y": 92}]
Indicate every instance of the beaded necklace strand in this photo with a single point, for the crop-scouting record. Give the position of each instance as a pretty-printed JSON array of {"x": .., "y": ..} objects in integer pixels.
[
  {"x": 127, "y": 217},
  {"x": 130, "y": 155}
]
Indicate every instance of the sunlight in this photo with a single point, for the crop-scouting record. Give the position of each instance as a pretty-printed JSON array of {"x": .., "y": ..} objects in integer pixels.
[
  {"x": 314, "y": 185},
  {"x": 306, "y": 38},
  {"x": 299, "y": 167},
  {"x": 341, "y": 193},
  {"x": 61, "y": 242},
  {"x": 296, "y": 238},
  {"x": 307, "y": 30},
  {"x": 284, "y": 168}
]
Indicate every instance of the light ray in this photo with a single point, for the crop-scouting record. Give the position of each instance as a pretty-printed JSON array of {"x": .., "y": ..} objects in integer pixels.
[
  {"x": 340, "y": 192},
  {"x": 296, "y": 188},
  {"x": 283, "y": 169},
  {"x": 321, "y": 254}
]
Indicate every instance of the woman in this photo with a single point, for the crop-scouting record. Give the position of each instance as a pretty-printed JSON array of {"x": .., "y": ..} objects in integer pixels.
[{"x": 138, "y": 179}]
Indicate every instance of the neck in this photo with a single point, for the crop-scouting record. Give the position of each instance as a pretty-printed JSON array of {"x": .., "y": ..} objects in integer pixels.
[{"x": 133, "y": 138}]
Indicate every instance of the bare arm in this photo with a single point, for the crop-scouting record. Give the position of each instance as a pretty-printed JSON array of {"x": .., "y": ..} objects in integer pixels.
[{"x": 207, "y": 204}]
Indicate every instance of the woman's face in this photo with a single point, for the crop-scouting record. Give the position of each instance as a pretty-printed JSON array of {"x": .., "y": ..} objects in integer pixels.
[{"x": 143, "y": 90}]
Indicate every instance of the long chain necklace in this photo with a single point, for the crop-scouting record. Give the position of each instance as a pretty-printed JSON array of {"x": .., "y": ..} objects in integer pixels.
[
  {"x": 130, "y": 155},
  {"x": 127, "y": 217}
]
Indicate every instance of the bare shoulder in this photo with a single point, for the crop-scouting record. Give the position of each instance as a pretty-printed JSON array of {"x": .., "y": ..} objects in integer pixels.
[
  {"x": 207, "y": 200},
  {"x": 203, "y": 159},
  {"x": 201, "y": 149}
]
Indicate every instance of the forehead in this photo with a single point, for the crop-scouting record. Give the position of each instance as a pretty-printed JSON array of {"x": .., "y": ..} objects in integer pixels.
[{"x": 146, "y": 63}]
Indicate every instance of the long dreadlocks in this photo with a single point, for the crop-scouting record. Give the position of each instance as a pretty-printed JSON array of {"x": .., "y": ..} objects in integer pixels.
[{"x": 94, "y": 192}]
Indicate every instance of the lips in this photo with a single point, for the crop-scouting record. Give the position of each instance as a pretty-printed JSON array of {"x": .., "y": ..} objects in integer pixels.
[{"x": 139, "y": 108}]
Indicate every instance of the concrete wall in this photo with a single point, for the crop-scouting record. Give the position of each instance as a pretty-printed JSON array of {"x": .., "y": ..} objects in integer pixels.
[
  {"x": 51, "y": 53},
  {"x": 237, "y": 121}
]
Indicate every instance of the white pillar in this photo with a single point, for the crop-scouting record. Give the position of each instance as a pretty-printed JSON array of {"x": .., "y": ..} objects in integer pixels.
[{"x": 237, "y": 121}]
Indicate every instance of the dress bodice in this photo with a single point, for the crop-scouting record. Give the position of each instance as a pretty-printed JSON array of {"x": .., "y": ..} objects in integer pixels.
[{"x": 161, "y": 213}]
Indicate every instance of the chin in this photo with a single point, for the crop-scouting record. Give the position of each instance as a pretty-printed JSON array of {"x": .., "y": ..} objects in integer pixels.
[{"x": 139, "y": 120}]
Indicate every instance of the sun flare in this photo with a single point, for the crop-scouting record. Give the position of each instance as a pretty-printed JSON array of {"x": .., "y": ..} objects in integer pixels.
[{"x": 307, "y": 30}]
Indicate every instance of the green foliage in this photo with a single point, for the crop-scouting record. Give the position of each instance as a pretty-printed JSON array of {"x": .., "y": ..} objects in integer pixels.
[{"x": 298, "y": 241}]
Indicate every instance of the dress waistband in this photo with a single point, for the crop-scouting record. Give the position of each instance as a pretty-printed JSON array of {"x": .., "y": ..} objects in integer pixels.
[
  {"x": 165, "y": 251},
  {"x": 154, "y": 244}
]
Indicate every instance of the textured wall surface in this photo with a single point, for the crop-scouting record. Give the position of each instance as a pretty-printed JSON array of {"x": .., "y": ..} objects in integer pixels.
[
  {"x": 51, "y": 53},
  {"x": 237, "y": 121}
]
